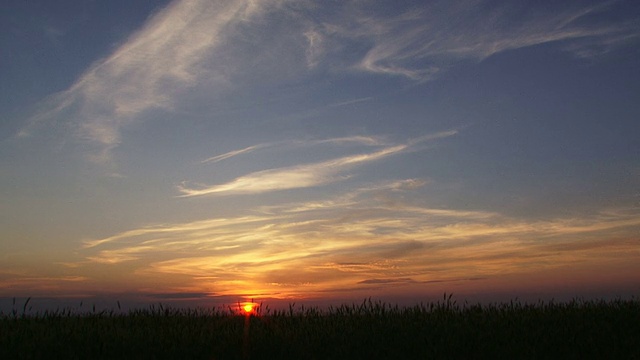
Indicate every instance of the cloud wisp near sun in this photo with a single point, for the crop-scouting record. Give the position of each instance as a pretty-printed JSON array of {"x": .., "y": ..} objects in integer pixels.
[{"x": 360, "y": 241}]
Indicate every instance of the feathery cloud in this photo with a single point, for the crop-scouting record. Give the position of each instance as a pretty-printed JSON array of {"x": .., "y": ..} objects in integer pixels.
[
  {"x": 421, "y": 42},
  {"x": 362, "y": 140},
  {"x": 195, "y": 42},
  {"x": 358, "y": 241},
  {"x": 233, "y": 153},
  {"x": 293, "y": 177},
  {"x": 305, "y": 175},
  {"x": 149, "y": 71}
]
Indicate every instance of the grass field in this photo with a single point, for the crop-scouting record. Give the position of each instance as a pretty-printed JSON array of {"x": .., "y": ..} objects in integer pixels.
[{"x": 368, "y": 330}]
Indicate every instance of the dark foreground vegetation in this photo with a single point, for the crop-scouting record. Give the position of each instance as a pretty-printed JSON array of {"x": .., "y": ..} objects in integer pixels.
[{"x": 370, "y": 330}]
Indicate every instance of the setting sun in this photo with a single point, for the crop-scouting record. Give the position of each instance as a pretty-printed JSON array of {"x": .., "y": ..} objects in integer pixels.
[{"x": 249, "y": 307}]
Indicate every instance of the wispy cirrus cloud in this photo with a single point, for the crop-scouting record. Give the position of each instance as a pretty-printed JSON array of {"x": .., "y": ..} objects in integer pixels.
[
  {"x": 362, "y": 140},
  {"x": 149, "y": 71},
  {"x": 343, "y": 243},
  {"x": 293, "y": 177},
  {"x": 422, "y": 41},
  {"x": 233, "y": 153},
  {"x": 35, "y": 285},
  {"x": 172, "y": 229},
  {"x": 211, "y": 44},
  {"x": 314, "y": 47},
  {"x": 350, "y": 102},
  {"x": 305, "y": 175},
  {"x": 387, "y": 281},
  {"x": 360, "y": 238}
]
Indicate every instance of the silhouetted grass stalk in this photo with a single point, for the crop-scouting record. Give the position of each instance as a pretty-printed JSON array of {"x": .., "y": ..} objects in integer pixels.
[{"x": 370, "y": 329}]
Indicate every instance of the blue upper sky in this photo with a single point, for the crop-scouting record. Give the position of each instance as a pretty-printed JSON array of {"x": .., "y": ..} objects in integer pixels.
[{"x": 288, "y": 149}]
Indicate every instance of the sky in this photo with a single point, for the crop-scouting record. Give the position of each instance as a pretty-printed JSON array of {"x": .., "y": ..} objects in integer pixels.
[{"x": 205, "y": 151}]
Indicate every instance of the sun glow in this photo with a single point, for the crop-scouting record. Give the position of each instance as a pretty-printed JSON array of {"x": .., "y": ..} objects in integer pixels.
[{"x": 249, "y": 308}]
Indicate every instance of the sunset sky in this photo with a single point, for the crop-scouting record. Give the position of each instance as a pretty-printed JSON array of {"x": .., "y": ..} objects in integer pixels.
[{"x": 207, "y": 151}]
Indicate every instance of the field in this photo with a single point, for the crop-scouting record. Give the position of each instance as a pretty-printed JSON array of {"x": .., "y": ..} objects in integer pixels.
[{"x": 368, "y": 330}]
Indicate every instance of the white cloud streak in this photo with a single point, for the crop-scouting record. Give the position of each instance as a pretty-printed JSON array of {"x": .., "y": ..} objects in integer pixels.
[
  {"x": 233, "y": 153},
  {"x": 305, "y": 175},
  {"x": 172, "y": 229},
  {"x": 423, "y": 41},
  {"x": 336, "y": 244},
  {"x": 350, "y": 102},
  {"x": 194, "y": 42},
  {"x": 363, "y": 140},
  {"x": 293, "y": 177},
  {"x": 314, "y": 48},
  {"x": 150, "y": 70}
]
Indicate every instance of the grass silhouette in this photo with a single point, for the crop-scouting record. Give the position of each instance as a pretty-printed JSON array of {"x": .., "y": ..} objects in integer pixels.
[{"x": 368, "y": 330}]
